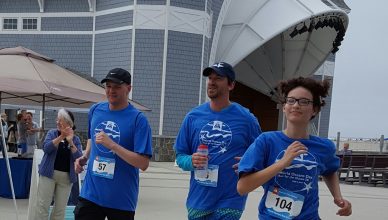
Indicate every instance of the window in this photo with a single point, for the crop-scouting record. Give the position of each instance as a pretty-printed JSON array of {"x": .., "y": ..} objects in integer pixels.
[
  {"x": 10, "y": 24},
  {"x": 30, "y": 24}
]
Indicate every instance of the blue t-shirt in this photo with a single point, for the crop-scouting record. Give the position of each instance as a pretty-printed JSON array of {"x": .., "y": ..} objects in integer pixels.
[
  {"x": 227, "y": 134},
  {"x": 130, "y": 129},
  {"x": 297, "y": 184}
]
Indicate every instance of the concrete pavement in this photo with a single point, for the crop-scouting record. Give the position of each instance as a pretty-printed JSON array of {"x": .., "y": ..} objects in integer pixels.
[{"x": 163, "y": 192}]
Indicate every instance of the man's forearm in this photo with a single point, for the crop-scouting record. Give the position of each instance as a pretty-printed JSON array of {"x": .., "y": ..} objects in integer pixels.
[{"x": 133, "y": 158}]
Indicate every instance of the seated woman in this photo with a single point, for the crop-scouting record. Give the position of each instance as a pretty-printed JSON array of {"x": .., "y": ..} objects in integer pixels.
[{"x": 56, "y": 171}]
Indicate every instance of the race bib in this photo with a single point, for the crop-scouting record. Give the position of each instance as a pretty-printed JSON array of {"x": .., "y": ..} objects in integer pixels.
[
  {"x": 207, "y": 177},
  {"x": 283, "y": 204},
  {"x": 104, "y": 167}
]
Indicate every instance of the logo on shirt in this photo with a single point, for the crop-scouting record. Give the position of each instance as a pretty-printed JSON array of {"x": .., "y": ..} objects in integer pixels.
[
  {"x": 299, "y": 175},
  {"x": 217, "y": 136},
  {"x": 111, "y": 129}
]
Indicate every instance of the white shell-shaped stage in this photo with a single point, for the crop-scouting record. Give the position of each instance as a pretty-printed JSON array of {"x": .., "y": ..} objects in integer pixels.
[{"x": 271, "y": 40}]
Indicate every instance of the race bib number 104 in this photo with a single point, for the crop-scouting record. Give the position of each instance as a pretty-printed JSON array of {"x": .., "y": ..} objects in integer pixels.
[{"x": 283, "y": 203}]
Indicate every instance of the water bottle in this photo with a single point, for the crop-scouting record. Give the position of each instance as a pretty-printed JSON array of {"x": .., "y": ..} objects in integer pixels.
[
  {"x": 202, "y": 171},
  {"x": 20, "y": 149}
]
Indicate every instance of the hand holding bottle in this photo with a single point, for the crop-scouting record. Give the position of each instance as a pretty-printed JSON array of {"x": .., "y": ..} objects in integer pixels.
[{"x": 200, "y": 158}]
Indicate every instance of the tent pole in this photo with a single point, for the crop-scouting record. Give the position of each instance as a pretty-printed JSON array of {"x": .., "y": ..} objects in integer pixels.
[
  {"x": 5, "y": 153},
  {"x": 1, "y": 132},
  {"x": 43, "y": 110}
]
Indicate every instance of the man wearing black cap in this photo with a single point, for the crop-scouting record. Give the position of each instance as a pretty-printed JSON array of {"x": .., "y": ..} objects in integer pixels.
[
  {"x": 227, "y": 129},
  {"x": 119, "y": 145}
]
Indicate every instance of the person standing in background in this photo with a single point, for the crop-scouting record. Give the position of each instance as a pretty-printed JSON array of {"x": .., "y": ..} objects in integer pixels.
[
  {"x": 32, "y": 129},
  {"x": 56, "y": 171},
  {"x": 21, "y": 132},
  {"x": 4, "y": 126},
  {"x": 12, "y": 135},
  {"x": 345, "y": 150}
]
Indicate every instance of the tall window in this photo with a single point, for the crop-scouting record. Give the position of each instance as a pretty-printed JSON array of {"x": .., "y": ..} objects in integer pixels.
[
  {"x": 10, "y": 24},
  {"x": 30, "y": 24}
]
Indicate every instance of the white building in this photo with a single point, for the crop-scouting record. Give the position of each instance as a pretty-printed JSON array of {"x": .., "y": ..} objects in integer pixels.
[{"x": 166, "y": 43}]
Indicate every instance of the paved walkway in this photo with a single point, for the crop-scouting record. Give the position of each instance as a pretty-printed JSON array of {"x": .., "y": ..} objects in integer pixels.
[{"x": 163, "y": 191}]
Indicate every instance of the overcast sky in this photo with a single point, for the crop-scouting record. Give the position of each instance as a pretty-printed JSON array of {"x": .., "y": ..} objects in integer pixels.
[{"x": 360, "y": 91}]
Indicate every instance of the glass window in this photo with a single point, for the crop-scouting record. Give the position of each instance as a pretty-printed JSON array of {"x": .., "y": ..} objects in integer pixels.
[
  {"x": 30, "y": 24},
  {"x": 10, "y": 24}
]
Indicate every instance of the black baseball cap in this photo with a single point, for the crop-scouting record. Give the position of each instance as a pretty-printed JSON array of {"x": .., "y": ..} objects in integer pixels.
[
  {"x": 118, "y": 75},
  {"x": 222, "y": 69}
]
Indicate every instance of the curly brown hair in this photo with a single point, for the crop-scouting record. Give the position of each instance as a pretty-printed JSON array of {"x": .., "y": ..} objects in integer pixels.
[{"x": 319, "y": 89}]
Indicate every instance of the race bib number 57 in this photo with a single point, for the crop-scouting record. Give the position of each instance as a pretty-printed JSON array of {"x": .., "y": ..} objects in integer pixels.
[{"x": 104, "y": 167}]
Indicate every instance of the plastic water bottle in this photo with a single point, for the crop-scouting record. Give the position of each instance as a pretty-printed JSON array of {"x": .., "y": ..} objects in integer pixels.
[
  {"x": 202, "y": 171},
  {"x": 20, "y": 149}
]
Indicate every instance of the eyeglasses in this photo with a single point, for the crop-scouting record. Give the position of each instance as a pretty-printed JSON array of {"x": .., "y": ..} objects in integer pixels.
[{"x": 301, "y": 102}]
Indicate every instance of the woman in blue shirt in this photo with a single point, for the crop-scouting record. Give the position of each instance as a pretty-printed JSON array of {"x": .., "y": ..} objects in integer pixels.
[
  {"x": 288, "y": 163},
  {"x": 57, "y": 175}
]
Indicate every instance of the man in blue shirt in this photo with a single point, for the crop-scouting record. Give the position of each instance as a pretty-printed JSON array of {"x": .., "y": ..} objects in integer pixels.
[
  {"x": 119, "y": 145},
  {"x": 227, "y": 129}
]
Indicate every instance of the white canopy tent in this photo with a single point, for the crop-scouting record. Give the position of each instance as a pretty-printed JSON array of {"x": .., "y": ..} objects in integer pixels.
[
  {"x": 269, "y": 41},
  {"x": 29, "y": 78}
]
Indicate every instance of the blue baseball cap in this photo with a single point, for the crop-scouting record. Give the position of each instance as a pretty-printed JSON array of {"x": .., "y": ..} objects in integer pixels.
[{"x": 221, "y": 69}]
